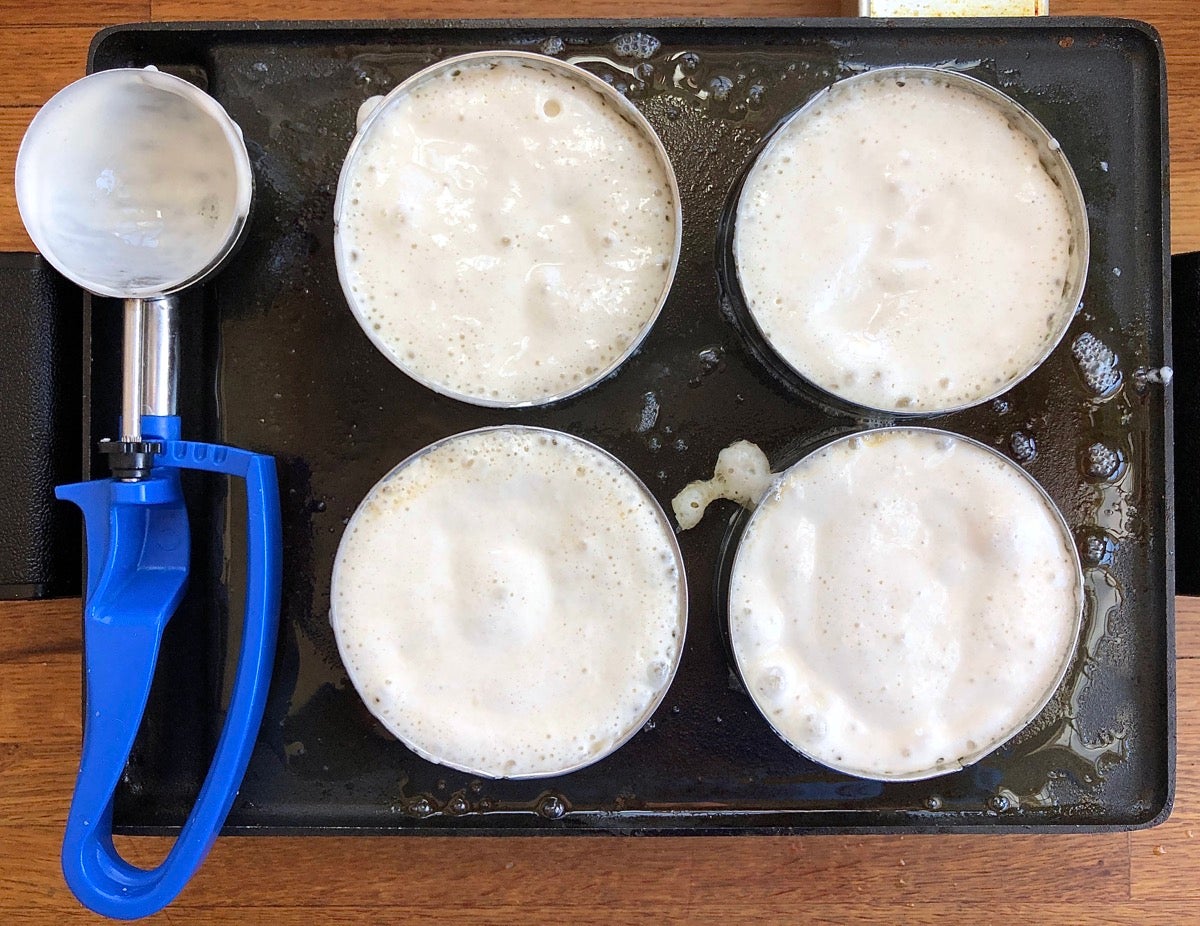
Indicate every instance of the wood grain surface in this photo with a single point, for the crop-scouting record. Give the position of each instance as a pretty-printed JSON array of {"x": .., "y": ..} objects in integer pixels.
[{"x": 1150, "y": 876}]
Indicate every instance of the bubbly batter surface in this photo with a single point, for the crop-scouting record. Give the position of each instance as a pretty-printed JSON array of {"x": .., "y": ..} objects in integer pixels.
[
  {"x": 507, "y": 232},
  {"x": 900, "y": 244},
  {"x": 511, "y": 603},
  {"x": 902, "y": 602}
]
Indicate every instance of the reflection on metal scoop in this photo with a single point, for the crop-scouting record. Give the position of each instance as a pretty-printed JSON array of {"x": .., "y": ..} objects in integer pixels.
[{"x": 135, "y": 184}]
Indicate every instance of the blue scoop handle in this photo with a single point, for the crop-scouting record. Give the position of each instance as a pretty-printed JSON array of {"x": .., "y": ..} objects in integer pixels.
[{"x": 138, "y": 550}]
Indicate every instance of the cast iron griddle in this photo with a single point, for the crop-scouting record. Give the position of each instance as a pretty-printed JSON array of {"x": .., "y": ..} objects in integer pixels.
[{"x": 275, "y": 362}]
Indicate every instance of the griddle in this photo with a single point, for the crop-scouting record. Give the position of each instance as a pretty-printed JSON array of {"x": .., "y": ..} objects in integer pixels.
[{"x": 280, "y": 366}]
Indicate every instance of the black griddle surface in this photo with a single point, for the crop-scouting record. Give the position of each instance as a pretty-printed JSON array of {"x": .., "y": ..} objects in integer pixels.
[{"x": 275, "y": 362}]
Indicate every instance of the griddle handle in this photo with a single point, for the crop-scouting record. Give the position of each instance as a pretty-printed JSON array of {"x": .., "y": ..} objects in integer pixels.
[
  {"x": 138, "y": 531},
  {"x": 1185, "y": 330},
  {"x": 40, "y": 379}
]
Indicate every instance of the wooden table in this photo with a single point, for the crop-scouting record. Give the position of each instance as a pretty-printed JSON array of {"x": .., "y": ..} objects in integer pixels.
[{"x": 1145, "y": 877}]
